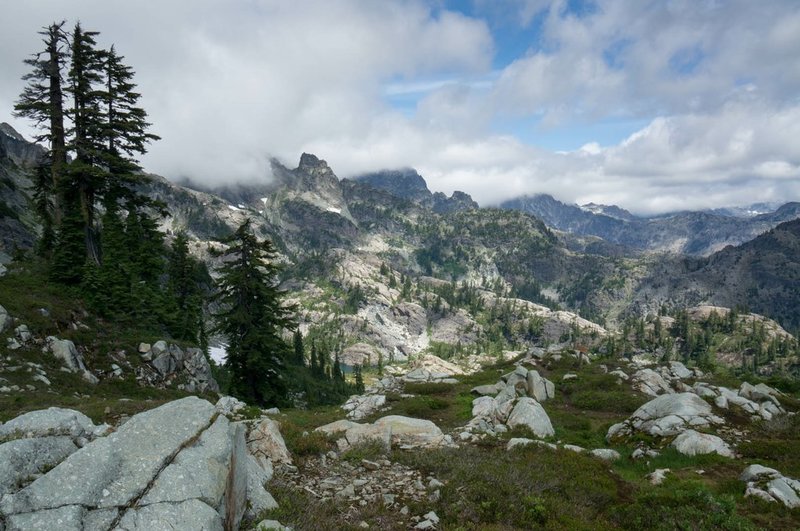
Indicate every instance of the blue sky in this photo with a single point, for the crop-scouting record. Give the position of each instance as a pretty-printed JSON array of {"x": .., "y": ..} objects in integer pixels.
[{"x": 655, "y": 105}]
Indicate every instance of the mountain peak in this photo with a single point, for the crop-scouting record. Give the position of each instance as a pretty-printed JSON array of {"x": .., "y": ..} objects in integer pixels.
[
  {"x": 309, "y": 161},
  {"x": 6, "y": 129}
]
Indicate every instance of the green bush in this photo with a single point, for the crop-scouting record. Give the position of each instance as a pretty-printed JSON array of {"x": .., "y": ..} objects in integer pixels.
[
  {"x": 616, "y": 400},
  {"x": 683, "y": 507}
]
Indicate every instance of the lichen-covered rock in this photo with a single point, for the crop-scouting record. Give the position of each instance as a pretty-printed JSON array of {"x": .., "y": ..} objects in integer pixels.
[
  {"x": 355, "y": 433},
  {"x": 770, "y": 485},
  {"x": 50, "y": 422},
  {"x": 538, "y": 387},
  {"x": 179, "y": 466},
  {"x": 529, "y": 413},
  {"x": 650, "y": 382},
  {"x": 22, "y": 458},
  {"x": 65, "y": 350},
  {"x": 229, "y": 405},
  {"x": 258, "y": 499},
  {"x": 667, "y": 415},
  {"x": 362, "y": 406},
  {"x": 488, "y": 389},
  {"x": 411, "y": 432},
  {"x": 484, "y": 406},
  {"x": 167, "y": 363},
  {"x": 691, "y": 442},
  {"x": 606, "y": 454},
  {"x": 264, "y": 440},
  {"x": 114, "y": 470}
]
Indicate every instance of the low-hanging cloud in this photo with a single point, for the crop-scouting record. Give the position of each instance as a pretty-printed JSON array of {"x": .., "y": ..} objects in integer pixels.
[{"x": 230, "y": 84}]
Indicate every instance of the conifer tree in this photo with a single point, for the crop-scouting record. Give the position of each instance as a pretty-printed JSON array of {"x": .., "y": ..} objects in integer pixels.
[
  {"x": 338, "y": 375},
  {"x": 42, "y": 100},
  {"x": 314, "y": 366},
  {"x": 252, "y": 318},
  {"x": 86, "y": 176},
  {"x": 359, "y": 379},
  {"x": 185, "y": 294},
  {"x": 299, "y": 350}
]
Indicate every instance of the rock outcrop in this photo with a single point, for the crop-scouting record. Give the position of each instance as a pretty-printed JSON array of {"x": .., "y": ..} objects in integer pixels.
[
  {"x": 167, "y": 364},
  {"x": 516, "y": 403},
  {"x": 770, "y": 485},
  {"x": 66, "y": 351},
  {"x": 181, "y": 465},
  {"x": 759, "y": 401},
  {"x": 404, "y": 432},
  {"x": 529, "y": 413},
  {"x": 667, "y": 415}
]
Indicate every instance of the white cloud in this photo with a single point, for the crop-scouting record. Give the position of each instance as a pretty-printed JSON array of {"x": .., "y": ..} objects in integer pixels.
[{"x": 230, "y": 84}]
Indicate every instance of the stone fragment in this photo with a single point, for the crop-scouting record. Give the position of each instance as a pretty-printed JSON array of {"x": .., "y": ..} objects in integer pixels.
[
  {"x": 606, "y": 454},
  {"x": 265, "y": 440}
]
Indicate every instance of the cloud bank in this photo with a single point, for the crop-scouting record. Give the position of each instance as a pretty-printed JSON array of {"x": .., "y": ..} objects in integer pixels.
[{"x": 373, "y": 85}]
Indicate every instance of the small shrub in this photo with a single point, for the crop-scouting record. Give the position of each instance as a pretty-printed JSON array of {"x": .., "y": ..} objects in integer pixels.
[
  {"x": 429, "y": 388},
  {"x": 302, "y": 443},
  {"x": 616, "y": 400},
  {"x": 369, "y": 450},
  {"x": 683, "y": 507}
]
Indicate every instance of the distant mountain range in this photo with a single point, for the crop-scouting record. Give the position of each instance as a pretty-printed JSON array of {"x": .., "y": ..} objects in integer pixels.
[{"x": 691, "y": 233}]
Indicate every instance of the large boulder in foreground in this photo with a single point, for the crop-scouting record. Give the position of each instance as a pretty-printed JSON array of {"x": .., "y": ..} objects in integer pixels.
[
  {"x": 50, "y": 422},
  {"x": 178, "y": 466},
  {"x": 667, "y": 415}
]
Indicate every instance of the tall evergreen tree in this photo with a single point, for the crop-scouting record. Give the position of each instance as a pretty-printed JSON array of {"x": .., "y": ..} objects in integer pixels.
[
  {"x": 125, "y": 130},
  {"x": 42, "y": 100},
  {"x": 252, "y": 318},
  {"x": 185, "y": 294},
  {"x": 313, "y": 365},
  {"x": 86, "y": 176},
  {"x": 299, "y": 350}
]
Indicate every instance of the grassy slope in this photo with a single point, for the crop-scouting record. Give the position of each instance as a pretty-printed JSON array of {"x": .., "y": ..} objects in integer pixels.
[
  {"x": 488, "y": 487},
  {"x": 24, "y": 291}
]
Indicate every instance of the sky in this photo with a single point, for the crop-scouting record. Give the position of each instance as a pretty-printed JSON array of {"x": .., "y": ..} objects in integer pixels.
[{"x": 652, "y": 105}]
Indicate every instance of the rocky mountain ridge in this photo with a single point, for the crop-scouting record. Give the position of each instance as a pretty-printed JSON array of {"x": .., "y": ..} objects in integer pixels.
[{"x": 691, "y": 233}]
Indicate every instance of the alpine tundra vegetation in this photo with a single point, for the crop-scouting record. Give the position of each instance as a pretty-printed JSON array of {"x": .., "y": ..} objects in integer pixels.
[{"x": 304, "y": 351}]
